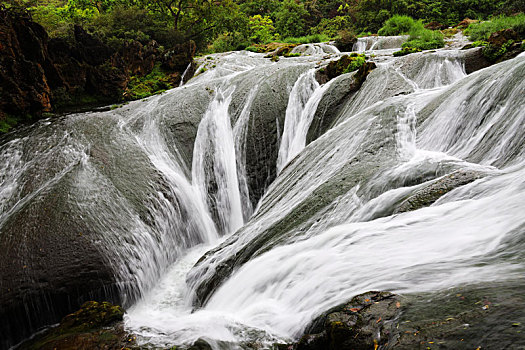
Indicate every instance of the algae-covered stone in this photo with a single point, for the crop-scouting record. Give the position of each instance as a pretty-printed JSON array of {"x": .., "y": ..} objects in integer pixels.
[{"x": 97, "y": 325}]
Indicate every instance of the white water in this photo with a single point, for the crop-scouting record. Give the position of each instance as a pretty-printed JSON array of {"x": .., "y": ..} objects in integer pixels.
[
  {"x": 456, "y": 241},
  {"x": 390, "y": 143},
  {"x": 302, "y": 105}
]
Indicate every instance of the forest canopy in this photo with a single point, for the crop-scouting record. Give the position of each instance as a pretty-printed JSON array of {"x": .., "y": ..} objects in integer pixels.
[{"x": 220, "y": 25}]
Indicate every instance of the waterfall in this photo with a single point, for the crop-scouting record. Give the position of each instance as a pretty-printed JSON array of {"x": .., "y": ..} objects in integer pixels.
[
  {"x": 369, "y": 43},
  {"x": 302, "y": 105},
  {"x": 214, "y": 169},
  {"x": 157, "y": 197}
]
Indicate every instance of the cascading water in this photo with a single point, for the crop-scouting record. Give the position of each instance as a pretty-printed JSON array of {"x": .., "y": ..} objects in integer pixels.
[
  {"x": 166, "y": 182},
  {"x": 302, "y": 105}
]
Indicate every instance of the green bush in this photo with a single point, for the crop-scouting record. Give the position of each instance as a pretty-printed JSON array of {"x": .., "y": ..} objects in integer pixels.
[
  {"x": 332, "y": 26},
  {"x": 357, "y": 60},
  {"x": 290, "y": 18},
  {"x": 261, "y": 29},
  {"x": 397, "y": 25},
  {"x": 155, "y": 82},
  {"x": 229, "y": 42},
  {"x": 424, "y": 39},
  {"x": 482, "y": 30}
]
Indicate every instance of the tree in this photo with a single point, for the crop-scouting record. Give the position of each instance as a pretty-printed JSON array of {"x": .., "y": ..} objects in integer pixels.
[{"x": 290, "y": 19}]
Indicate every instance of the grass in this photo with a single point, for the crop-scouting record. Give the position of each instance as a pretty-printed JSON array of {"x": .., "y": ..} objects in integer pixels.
[{"x": 482, "y": 30}]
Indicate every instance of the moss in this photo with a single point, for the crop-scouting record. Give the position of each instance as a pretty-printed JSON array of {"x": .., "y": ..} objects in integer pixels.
[
  {"x": 346, "y": 64},
  {"x": 406, "y": 51},
  {"x": 493, "y": 53},
  {"x": 7, "y": 123},
  {"x": 297, "y": 54},
  {"x": 449, "y": 32},
  {"x": 155, "y": 82},
  {"x": 475, "y": 44}
]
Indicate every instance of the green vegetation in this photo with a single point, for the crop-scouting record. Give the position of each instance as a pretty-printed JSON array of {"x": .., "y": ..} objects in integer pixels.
[
  {"x": 7, "y": 123},
  {"x": 225, "y": 25},
  {"x": 482, "y": 30},
  {"x": 154, "y": 83},
  {"x": 406, "y": 50},
  {"x": 424, "y": 39},
  {"x": 420, "y": 38},
  {"x": 397, "y": 25},
  {"x": 313, "y": 38}
]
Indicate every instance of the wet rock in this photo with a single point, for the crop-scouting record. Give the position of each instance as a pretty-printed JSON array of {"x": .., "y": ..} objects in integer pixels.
[
  {"x": 49, "y": 267},
  {"x": 346, "y": 64},
  {"x": 95, "y": 326},
  {"x": 452, "y": 319},
  {"x": 438, "y": 188},
  {"x": 333, "y": 100},
  {"x": 345, "y": 41},
  {"x": 366, "y": 322},
  {"x": 475, "y": 60}
]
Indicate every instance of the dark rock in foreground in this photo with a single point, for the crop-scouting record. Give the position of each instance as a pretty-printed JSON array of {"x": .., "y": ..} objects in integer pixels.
[
  {"x": 470, "y": 317},
  {"x": 366, "y": 322},
  {"x": 94, "y": 326}
]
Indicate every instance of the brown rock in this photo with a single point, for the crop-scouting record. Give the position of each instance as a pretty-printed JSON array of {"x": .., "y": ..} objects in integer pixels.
[
  {"x": 502, "y": 36},
  {"x": 435, "y": 26},
  {"x": 465, "y": 23}
]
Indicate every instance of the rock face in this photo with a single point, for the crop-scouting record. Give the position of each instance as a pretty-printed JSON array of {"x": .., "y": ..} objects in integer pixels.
[
  {"x": 365, "y": 322},
  {"x": 48, "y": 269},
  {"x": 41, "y": 75},
  {"x": 333, "y": 101}
]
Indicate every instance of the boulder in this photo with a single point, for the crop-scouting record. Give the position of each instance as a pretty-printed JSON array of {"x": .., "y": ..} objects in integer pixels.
[
  {"x": 502, "y": 36},
  {"x": 94, "y": 326},
  {"x": 366, "y": 322},
  {"x": 465, "y": 23}
]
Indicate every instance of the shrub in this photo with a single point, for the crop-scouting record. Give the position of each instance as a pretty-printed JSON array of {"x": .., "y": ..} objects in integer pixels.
[
  {"x": 261, "y": 29},
  {"x": 424, "y": 39},
  {"x": 229, "y": 42},
  {"x": 397, "y": 25},
  {"x": 332, "y": 26},
  {"x": 290, "y": 18}
]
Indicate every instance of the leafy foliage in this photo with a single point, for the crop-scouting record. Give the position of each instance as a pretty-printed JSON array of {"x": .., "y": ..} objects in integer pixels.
[
  {"x": 261, "y": 29},
  {"x": 397, "y": 25},
  {"x": 290, "y": 18}
]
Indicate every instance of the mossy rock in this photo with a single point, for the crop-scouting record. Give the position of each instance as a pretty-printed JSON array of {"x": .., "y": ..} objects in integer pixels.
[
  {"x": 91, "y": 315},
  {"x": 406, "y": 51},
  {"x": 346, "y": 64},
  {"x": 97, "y": 325}
]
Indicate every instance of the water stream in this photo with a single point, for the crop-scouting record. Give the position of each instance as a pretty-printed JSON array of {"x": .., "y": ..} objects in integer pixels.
[{"x": 170, "y": 187}]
